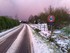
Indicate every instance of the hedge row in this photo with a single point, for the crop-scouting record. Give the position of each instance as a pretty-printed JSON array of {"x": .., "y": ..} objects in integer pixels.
[{"x": 6, "y": 23}]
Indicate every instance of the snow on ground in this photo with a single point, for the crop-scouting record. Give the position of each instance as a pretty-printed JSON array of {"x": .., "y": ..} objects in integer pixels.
[
  {"x": 43, "y": 27},
  {"x": 63, "y": 43},
  {"x": 46, "y": 34},
  {"x": 42, "y": 45},
  {"x": 57, "y": 31},
  {"x": 9, "y": 30}
]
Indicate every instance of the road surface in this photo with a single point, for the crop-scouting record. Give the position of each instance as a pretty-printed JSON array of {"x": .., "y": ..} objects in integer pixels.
[
  {"x": 7, "y": 43},
  {"x": 25, "y": 45}
]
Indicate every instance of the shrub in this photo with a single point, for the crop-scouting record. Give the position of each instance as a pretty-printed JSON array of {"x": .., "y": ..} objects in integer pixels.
[
  {"x": 6, "y": 23},
  {"x": 37, "y": 30}
]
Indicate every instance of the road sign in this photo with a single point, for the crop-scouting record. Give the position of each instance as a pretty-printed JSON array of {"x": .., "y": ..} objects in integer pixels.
[{"x": 51, "y": 18}]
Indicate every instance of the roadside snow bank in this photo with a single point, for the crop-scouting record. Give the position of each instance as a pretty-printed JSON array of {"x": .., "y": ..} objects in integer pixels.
[
  {"x": 64, "y": 44},
  {"x": 43, "y": 27},
  {"x": 41, "y": 45},
  {"x": 7, "y": 31}
]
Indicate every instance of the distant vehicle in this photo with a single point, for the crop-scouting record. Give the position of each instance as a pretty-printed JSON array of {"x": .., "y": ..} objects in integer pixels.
[{"x": 23, "y": 22}]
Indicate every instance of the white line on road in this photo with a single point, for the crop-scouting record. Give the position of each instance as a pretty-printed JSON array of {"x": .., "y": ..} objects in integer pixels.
[
  {"x": 14, "y": 47},
  {"x": 30, "y": 35},
  {"x": 3, "y": 38}
]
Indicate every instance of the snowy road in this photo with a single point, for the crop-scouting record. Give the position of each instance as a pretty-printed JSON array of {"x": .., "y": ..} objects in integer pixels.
[
  {"x": 7, "y": 40},
  {"x": 26, "y": 40},
  {"x": 16, "y": 41},
  {"x": 22, "y": 44}
]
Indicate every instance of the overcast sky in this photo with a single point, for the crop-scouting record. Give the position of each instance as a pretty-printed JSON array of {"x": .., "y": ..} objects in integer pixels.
[{"x": 24, "y": 8}]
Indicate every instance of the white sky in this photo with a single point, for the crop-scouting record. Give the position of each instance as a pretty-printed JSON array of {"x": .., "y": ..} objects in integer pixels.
[{"x": 24, "y": 8}]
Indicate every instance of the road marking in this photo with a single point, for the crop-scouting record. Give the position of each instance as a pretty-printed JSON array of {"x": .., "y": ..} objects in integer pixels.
[{"x": 17, "y": 42}]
